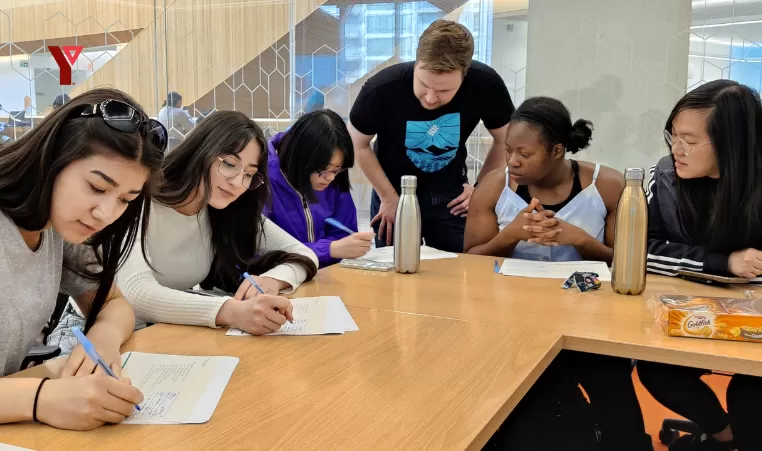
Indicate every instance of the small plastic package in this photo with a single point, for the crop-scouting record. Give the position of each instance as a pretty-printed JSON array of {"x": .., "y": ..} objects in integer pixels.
[{"x": 738, "y": 319}]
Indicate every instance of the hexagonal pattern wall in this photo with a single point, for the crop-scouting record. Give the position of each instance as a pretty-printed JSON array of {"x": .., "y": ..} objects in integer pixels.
[{"x": 30, "y": 77}]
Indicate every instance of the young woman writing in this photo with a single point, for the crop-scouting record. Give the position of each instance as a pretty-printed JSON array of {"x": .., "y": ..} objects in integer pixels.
[
  {"x": 206, "y": 221},
  {"x": 71, "y": 194},
  {"x": 308, "y": 172}
]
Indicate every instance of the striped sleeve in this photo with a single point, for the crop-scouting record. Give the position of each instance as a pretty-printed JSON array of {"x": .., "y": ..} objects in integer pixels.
[
  {"x": 666, "y": 257},
  {"x": 651, "y": 181}
]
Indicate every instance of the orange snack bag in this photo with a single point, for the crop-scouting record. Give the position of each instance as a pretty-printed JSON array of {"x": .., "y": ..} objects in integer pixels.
[{"x": 707, "y": 317}]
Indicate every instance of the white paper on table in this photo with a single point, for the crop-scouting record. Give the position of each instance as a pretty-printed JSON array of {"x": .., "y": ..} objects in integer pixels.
[
  {"x": 4, "y": 447},
  {"x": 314, "y": 316},
  {"x": 177, "y": 389},
  {"x": 553, "y": 270},
  {"x": 338, "y": 312},
  {"x": 386, "y": 254}
]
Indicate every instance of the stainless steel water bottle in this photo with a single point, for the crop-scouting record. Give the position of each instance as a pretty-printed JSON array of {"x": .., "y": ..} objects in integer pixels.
[
  {"x": 628, "y": 271},
  {"x": 407, "y": 228}
]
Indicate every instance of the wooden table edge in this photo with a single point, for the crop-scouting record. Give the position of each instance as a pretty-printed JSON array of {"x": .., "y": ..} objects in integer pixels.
[
  {"x": 52, "y": 368},
  {"x": 489, "y": 429},
  {"x": 671, "y": 356}
]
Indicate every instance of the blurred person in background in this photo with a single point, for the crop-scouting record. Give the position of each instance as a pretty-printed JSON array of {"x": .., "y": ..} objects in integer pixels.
[{"x": 176, "y": 120}]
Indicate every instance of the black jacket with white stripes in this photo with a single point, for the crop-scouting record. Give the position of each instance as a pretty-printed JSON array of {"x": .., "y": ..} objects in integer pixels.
[{"x": 670, "y": 247}]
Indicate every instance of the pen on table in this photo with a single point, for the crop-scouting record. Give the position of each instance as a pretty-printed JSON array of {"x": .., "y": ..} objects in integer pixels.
[
  {"x": 94, "y": 356},
  {"x": 497, "y": 267},
  {"x": 254, "y": 283}
]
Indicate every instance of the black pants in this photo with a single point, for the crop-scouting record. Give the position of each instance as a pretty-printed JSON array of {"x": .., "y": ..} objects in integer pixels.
[
  {"x": 440, "y": 229},
  {"x": 554, "y": 415},
  {"x": 681, "y": 390}
]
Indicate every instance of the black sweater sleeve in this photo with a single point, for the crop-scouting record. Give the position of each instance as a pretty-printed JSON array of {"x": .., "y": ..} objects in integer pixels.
[{"x": 666, "y": 257}]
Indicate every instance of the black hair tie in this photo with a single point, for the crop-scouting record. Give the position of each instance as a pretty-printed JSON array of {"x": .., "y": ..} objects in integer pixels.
[{"x": 36, "y": 397}]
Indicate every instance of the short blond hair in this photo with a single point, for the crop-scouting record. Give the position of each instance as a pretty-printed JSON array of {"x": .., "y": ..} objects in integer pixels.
[{"x": 444, "y": 47}]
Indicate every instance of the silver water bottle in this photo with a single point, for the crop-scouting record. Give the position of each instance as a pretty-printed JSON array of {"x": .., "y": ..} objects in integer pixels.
[{"x": 407, "y": 228}]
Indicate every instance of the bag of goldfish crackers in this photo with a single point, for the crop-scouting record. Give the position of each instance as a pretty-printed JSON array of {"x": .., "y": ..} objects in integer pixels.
[{"x": 738, "y": 319}]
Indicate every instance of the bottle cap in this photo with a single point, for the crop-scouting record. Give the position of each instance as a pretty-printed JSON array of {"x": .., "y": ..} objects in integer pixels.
[
  {"x": 634, "y": 174},
  {"x": 409, "y": 181}
]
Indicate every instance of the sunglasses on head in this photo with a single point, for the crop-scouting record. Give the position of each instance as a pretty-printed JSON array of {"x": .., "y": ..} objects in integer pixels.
[{"x": 125, "y": 118}]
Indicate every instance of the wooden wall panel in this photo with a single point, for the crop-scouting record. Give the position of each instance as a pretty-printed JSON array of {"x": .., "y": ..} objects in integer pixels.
[
  {"x": 246, "y": 89},
  {"x": 202, "y": 42},
  {"x": 32, "y": 20}
]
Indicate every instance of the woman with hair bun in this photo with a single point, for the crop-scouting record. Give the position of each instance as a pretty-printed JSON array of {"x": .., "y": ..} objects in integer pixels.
[{"x": 544, "y": 206}]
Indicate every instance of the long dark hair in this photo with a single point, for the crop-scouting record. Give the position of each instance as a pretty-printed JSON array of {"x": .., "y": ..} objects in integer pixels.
[
  {"x": 30, "y": 166},
  {"x": 726, "y": 215},
  {"x": 553, "y": 120},
  {"x": 308, "y": 147},
  {"x": 237, "y": 228}
]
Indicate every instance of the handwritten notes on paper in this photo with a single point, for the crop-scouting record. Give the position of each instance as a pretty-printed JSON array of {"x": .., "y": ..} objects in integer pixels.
[
  {"x": 386, "y": 254},
  {"x": 157, "y": 405},
  {"x": 314, "y": 316},
  {"x": 177, "y": 389},
  {"x": 553, "y": 270}
]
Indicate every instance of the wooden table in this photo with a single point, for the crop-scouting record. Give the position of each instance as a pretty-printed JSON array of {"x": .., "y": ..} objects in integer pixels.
[
  {"x": 403, "y": 382},
  {"x": 601, "y": 321}
]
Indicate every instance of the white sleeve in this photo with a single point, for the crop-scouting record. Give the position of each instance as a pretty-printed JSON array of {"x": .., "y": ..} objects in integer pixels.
[
  {"x": 155, "y": 303},
  {"x": 276, "y": 239}
]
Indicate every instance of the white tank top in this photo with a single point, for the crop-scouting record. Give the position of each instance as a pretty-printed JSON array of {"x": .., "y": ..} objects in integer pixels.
[{"x": 586, "y": 211}]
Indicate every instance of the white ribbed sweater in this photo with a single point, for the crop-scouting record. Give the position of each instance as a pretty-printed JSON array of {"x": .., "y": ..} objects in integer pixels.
[{"x": 179, "y": 249}]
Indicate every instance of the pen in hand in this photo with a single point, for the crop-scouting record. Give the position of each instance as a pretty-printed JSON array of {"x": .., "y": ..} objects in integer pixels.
[
  {"x": 94, "y": 356},
  {"x": 338, "y": 225},
  {"x": 254, "y": 283},
  {"x": 345, "y": 229}
]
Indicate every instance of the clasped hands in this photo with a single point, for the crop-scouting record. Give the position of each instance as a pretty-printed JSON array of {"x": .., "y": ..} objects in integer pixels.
[{"x": 536, "y": 225}]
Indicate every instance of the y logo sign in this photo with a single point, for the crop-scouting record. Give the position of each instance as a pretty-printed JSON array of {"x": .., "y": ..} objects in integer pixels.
[{"x": 65, "y": 56}]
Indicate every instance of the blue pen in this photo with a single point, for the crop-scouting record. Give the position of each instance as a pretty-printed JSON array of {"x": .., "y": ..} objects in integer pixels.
[
  {"x": 93, "y": 354},
  {"x": 254, "y": 283},
  {"x": 343, "y": 228},
  {"x": 338, "y": 225}
]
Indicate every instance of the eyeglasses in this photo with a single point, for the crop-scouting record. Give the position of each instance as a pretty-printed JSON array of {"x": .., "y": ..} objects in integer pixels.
[
  {"x": 125, "y": 118},
  {"x": 230, "y": 167},
  {"x": 680, "y": 144},
  {"x": 325, "y": 173}
]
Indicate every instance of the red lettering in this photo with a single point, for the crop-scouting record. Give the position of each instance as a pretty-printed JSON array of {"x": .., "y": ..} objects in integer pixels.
[{"x": 65, "y": 57}]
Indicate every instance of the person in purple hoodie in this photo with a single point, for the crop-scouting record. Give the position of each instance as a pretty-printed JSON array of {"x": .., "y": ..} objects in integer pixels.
[{"x": 308, "y": 173}]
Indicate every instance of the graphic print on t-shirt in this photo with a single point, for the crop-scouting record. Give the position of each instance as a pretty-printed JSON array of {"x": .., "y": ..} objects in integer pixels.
[{"x": 432, "y": 145}]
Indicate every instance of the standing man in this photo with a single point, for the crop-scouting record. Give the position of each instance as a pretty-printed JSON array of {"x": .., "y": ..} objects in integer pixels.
[{"x": 422, "y": 113}]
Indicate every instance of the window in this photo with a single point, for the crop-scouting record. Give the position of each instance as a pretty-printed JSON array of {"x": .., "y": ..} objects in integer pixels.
[
  {"x": 380, "y": 47},
  {"x": 380, "y": 24},
  {"x": 332, "y": 10},
  {"x": 407, "y": 48}
]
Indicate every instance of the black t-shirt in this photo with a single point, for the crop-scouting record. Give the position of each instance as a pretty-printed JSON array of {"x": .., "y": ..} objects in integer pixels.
[{"x": 430, "y": 144}]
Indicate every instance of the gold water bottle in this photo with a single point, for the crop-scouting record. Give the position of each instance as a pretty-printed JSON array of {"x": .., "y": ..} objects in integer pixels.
[{"x": 628, "y": 271}]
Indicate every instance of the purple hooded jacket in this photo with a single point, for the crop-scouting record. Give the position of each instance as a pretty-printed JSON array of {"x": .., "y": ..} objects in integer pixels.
[{"x": 304, "y": 221}]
